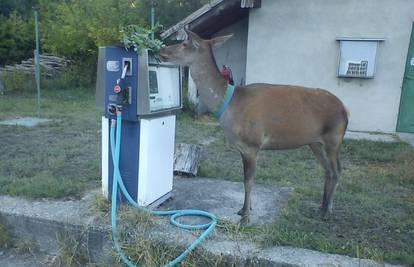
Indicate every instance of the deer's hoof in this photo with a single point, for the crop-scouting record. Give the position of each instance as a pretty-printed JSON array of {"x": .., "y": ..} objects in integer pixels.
[
  {"x": 245, "y": 220},
  {"x": 325, "y": 212},
  {"x": 242, "y": 212}
]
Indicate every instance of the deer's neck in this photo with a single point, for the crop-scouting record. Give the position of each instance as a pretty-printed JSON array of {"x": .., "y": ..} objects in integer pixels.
[{"x": 210, "y": 84}]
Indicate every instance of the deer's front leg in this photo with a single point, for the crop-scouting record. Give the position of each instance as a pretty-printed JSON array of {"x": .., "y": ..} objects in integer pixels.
[{"x": 249, "y": 166}]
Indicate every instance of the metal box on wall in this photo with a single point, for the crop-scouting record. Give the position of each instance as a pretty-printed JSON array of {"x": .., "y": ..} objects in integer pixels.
[{"x": 357, "y": 57}]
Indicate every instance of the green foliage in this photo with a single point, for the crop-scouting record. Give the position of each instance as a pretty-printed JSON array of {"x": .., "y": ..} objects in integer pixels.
[
  {"x": 138, "y": 38},
  {"x": 16, "y": 38},
  {"x": 4, "y": 237},
  {"x": 77, "y": 75},
  {"x": 18, "y": 82},
  {"x": 188, "y": 107},
  {"x": 76, "y": 29},
  {"x": 100, "y": 204},
  {"x": 170, "y": 12},
  {"x": 23, "y": 7}
]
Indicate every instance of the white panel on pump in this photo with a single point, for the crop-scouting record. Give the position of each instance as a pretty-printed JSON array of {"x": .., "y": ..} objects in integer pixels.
[
  {"x": 105, "y": 156},
  {"x": 156, "y": 158},
  {"x": 164, "y": 83}
]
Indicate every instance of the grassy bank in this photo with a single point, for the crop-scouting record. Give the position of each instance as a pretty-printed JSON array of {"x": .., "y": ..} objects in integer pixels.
[{"x": 374, "y": 203}]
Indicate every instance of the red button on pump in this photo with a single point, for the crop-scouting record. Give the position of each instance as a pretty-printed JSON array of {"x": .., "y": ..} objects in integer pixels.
[{"x": 117, "y": 89}]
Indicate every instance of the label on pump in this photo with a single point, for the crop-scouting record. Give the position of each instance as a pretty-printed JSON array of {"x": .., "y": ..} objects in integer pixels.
[{"x": 112, "y": 65}]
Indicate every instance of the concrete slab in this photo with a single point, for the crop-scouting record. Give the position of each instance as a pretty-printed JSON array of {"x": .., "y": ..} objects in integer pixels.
[
  {"x": 407, "y": 137},
  {"x": 11, "y": 258},
  {"x": 377, "y": 137},
  {"x": 225, "y": 198},
  {"x": 24, "y": 121}
]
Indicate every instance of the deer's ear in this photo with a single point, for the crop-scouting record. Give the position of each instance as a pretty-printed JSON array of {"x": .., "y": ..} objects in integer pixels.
[
  {"x": 220, "y": 40},
  {"x": 194, "y": 38}
]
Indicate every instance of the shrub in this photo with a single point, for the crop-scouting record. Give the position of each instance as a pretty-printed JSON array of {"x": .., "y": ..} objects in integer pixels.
[
  {"x": 77, "y": 75},
  {"x": 4, "y": 237},
  {"x": 18, "y": 82}
]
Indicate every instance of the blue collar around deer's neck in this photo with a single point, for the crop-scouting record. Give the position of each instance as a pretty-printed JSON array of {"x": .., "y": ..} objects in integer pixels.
[{"x": 224, "y": 103}]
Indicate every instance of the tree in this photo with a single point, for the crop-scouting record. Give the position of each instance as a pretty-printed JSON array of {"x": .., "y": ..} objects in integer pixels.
[
  {"x": 22, "y": 7},
  {"x": 169, "y": 12},
  {"x": 77, "y": 28},
  {"x": 16, "y": 38}
]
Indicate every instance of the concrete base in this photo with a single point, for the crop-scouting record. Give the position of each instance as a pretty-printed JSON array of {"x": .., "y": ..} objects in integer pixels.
[
  {"x": 42, "y": 222},
  {"x": 12, "y": 258},
  {"x": 381, "y": 137},
  {"x": 407, "y": 137},
  {"x": 25, "y": 121},
  {"x": 225, "y": 199},
  {"x": 377, "y": 137}
]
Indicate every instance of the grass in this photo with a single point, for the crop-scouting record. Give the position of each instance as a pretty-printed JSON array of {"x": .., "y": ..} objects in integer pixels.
[
  {"x": 374, "y": 204},
  {"x": 134, "y": 233},
  {"x": 58, "y": 159},
  {"x": 72, "y": 250},
  {"x": 100, "y": 204},
  {"x": 20, "y": 246},
  {"x": 5, "y": 239},
  {"x": 147, "y": 253}
]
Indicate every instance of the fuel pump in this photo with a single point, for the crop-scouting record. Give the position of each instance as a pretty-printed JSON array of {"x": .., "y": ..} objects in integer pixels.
[
  {"x": 137, "y": 97},
  {"x": 148, "y": 93}
]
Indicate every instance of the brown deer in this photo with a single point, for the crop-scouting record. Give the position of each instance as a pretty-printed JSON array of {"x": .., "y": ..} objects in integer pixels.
[{"x": 267, "y": 117}]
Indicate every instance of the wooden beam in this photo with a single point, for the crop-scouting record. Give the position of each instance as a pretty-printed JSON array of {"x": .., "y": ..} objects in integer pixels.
[
  {"x": 212, "y": 17},
  {"x": 193, "y": 16}
]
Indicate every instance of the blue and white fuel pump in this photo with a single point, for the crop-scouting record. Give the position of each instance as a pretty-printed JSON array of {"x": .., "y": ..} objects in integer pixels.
[
  {"x": 148, "y": 93},
  {"x": 138, "y": 97}
]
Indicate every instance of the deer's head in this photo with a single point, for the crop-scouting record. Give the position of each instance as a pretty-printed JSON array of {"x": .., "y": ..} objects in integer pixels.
[{"x": 194, "y": 49}]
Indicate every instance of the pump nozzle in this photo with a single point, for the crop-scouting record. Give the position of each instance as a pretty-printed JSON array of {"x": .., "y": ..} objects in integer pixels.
[
  {"x": 124, "y": 71},
  {"x": 112, "y": 109}
]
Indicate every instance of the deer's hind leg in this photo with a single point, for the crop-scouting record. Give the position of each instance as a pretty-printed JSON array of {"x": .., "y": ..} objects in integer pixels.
[
  {"x": 319, "y": 151},
  {"x": 332, "y": 151},
  {"x": 249, "y": 167},
  {"x": 327, "y": 152}
]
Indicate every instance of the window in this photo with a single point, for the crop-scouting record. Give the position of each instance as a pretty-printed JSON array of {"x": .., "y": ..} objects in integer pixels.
[
  {"x": 357, "y": 57},
  {"x": 153, "y": 82}
]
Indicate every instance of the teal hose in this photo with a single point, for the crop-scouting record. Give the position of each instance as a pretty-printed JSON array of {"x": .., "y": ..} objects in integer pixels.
[{"x": 117, "y": 180}]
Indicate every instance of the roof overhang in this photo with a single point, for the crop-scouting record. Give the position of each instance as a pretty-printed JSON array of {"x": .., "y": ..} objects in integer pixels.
[{"x": 212, "y": 17}]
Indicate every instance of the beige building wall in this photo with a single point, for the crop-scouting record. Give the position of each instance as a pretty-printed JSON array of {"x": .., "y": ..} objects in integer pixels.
[{"x": 294, "y": 42}]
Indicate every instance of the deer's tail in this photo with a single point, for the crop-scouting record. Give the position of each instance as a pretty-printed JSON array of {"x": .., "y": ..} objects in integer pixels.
[{"x": 348, "y": 114}]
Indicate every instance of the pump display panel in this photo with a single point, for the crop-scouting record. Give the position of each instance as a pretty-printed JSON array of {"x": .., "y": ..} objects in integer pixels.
[{"x": 164, "y": 85}]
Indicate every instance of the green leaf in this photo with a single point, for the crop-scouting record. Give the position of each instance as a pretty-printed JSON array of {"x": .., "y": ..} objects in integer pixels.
[{"x": 139, "y": 38}]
